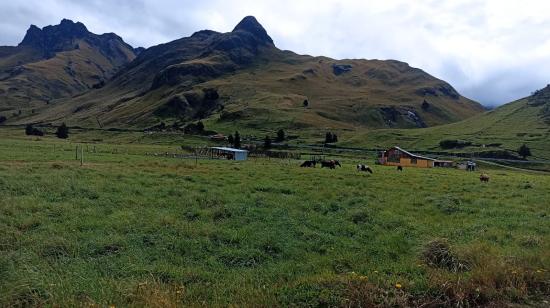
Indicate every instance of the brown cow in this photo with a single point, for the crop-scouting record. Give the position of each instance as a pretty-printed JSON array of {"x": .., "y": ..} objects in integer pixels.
[{"x": 484, "y": 177}]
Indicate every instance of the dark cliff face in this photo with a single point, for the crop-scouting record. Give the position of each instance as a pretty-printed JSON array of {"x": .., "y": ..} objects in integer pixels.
[
  {"x": 213, "y": 54},
  {"x": 250, "y": 25},
  {"x": 58, "y": 61},
  {"x": 52, "y": 39},
  {"x": 63, "y": 37}
]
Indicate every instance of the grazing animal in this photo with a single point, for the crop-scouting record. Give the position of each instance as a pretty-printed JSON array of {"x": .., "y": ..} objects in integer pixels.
[
  {"x": 364, "y": 168},
  {"x": 399, "y": 168},
  {"x": 484, "y": 177},
  {"x": 331, "y": 164},
  {"x": 309, "y": 164}
]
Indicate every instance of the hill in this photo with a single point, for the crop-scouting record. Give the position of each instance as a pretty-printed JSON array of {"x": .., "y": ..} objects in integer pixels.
[
  {"x": 57, "y": 62},
  {"x": 242, "y": 80},
  {"x": 526, "y": 121}
]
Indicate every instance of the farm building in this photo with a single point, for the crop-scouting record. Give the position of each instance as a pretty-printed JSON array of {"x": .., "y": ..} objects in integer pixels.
[
  {"x": 398, "y": 157},
  {"x": 228, "y": 153}
]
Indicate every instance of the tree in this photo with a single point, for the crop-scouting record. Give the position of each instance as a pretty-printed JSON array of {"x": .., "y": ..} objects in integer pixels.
[
  {"x": 280, "y": 135},
  {"x": 237, "y": 141},
  {"x": 306, "y": 103},
  {"x": 230, "y": 139},
  {"x": 267, "y": 142},
  {"x": 334, "y": 138},
  {"x": 328, "y": 137},
  {"x": 524, "y": 151},
  {"x": 32, "y": 131},
  {"x": 28, "y": 129},
  {"x": 200, "y": 126},
  {"x": 62, "y": 131}
]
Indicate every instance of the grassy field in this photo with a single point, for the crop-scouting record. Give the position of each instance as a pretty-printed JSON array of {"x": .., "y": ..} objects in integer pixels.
[{"x": 127, "y": 229}]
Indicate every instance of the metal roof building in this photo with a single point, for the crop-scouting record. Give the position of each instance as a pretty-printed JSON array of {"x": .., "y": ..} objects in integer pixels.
[
  {"x": 229, "y": 153},
  {"x": 396, "y": 156}
]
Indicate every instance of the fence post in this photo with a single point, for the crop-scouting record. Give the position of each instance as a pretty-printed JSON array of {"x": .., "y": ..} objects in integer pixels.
[
  {"x": 81, "y": 156},
  {"x": 76, "y": 153}
]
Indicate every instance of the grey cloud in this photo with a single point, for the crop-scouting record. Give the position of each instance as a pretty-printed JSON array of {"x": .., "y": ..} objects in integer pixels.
[{"x": 493, "y": 51}]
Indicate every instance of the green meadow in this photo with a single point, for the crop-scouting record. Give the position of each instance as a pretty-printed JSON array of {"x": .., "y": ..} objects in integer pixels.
[{"x": 129, "y": 229}]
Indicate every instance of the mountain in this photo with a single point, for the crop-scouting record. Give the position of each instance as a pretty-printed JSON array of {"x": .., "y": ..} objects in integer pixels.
[
  {"x": 57, "y": 62},
  {"x": 506, "y": 128},
  {"x": 240, "y": 79}
]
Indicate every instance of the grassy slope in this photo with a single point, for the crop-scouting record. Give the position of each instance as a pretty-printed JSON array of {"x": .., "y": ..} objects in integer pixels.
[
  {"x": 136, "y": 230},
  {"x": 62, "y": 76},
  {"x": 512, "y": 125},
  {"x": 270, "y": 94}
]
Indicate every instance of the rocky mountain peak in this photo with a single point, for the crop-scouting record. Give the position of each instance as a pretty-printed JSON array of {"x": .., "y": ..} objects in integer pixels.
[{"x": 251, "y": 25}]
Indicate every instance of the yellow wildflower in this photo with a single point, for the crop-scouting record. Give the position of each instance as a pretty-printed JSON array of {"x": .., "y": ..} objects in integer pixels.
[
  {"x": 363, "y": 277},
  {"x": 398, "y": 285}
]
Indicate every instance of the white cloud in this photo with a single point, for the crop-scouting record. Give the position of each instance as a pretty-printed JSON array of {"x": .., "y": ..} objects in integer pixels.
[{"x": 492, "y": 51}]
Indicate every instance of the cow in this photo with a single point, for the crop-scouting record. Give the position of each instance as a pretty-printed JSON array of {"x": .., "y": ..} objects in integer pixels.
[
  {"x": 364, "y": 168},
  {"x": 308, "y": 164},
  {"x": 484, "y": 178},
  {"x": 399, "y": 168},
  {"x": 331, "y": 164}
]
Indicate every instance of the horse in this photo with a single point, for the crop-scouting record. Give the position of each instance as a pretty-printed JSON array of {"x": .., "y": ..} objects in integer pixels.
[
  {"x": 399, "y": 168},
  {"x": 484, "y": 178},
  {"x": 309, "y": 164},
  {"x": 364, "y": 168},
  {"x": 331, "y": 164}
]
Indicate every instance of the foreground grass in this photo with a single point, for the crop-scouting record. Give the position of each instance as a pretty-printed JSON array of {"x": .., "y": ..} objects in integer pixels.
[{"x": 128, "y": 229}]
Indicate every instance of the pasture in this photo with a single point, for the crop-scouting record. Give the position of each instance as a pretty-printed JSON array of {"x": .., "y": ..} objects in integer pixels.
[{"x": 128, "y": 229}]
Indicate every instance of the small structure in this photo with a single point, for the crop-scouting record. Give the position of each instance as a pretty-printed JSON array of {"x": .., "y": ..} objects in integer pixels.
[
  {"x": 218, "y": 137},
  {"x": 467, "y": 165},
  {"x": 228, "y": 153},
  {"x": 396, "y": 156}
]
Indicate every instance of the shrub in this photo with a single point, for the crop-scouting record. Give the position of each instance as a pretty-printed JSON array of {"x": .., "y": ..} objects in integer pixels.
[
  {"x": 280, "y": 135},
  {"x": 193, "y": 128},
  {"x": 330, "y": 138},
  {"x": 3, "y": 119},
  {"x": 267, "y": 142},
  {"x": 62, "y": 131},
  {"x": 32, "y": 131},
  {"x": 237, "y": 141},
  {"x": 524, "y": 151},
  {"x": 453, "y": 144},
  {"x": 438, "y": 253}
]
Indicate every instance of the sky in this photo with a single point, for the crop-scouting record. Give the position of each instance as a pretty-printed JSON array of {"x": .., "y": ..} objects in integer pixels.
[{"x": 492, "y": 51}]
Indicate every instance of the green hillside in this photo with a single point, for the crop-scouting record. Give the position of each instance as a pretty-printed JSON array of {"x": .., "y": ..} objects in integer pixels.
[
  {"x": 241, "y": 80},
  {"x": 56, "y": 62},
  {"x": 526, "y": 121}
]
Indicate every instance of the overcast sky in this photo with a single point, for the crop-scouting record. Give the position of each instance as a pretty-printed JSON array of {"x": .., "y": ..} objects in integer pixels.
[{"x": 493, "y": 51}]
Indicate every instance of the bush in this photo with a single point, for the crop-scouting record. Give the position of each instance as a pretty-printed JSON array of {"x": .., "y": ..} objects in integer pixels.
[
  {"x": 237, "y": 141},
  {"x": 524, "y": 151},
  {"x": 453, "y": 144},
  {"x": 267, "y": 142},
  {"x": 193, "y": 128},
  {"x": 62, "y": 131},
  {"x": 32, "y": 131},
  {"x": 438, "y": 253},
  {"x": 330, "y": 138},
  {"x": 280, "y": 135},
  {"x": 3, "y": 119}
]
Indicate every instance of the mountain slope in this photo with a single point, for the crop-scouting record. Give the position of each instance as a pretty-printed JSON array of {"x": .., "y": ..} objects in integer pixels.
[
  {"x": 526, "y": 121},
  {"x": 240, "y": 79},
  {"x": 57, "y": 62}
]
